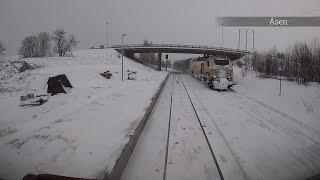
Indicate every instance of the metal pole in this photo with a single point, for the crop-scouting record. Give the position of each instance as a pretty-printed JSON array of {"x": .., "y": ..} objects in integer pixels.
[
  {"x": 107, "y": 34},
  {"x": 9, "y": 51},
  {"x": 122, "y": 37},
  {"x": 280, "y": 70},
  {"x": 222, "y": 35},
  {"x": 159, "y": 61},
  {"x": 166, "y": 65},
  {"x": 166, "y": 62},
  {"x": 280, "y": 85},
  {"x": 239, "y": 40},
  {"x": 253, "y": 39},
  {"x": 246, "y": 39}
]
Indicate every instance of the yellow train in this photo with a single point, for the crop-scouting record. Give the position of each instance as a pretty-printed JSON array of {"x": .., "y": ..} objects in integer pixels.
[{"x": 215, "y": 71}]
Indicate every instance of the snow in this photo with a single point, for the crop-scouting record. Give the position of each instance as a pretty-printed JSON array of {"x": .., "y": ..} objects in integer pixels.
[
  {"x": 76, "y": 134},
  {"x": 222, "y": 84},
  {"x": 188, "y": 154},
  {"x": 254, "y": 132},
  {"x": 270, "y": 136},
  {"x": 148, "y": 157}
]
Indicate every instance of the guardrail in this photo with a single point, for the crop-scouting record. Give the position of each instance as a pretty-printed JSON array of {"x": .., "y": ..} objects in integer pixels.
[{"x": 180, "y": 46}]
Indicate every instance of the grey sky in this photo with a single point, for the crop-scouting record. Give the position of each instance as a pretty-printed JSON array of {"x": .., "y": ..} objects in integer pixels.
[{"x": 162, "y": 21}]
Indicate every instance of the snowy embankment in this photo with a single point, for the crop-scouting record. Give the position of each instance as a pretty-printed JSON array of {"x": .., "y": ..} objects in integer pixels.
[
  {"x": 282, "y": 133},
  {"x": 299, "y": 101},
  {"x": 80, "y": 133}
]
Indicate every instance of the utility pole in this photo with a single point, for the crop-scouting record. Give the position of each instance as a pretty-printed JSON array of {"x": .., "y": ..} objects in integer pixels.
[
  {"x": 239, "y": 40},
  {"x": 222, "y": 35},
  {"x": 253, "y": 40},
  {"x": 9, "y": 52},
  {"x": 246, "y": 39},
  {"x": 107, "y": 34},
  {"x": 246, "y": 43},
  {"x": 122, "y": 37}
]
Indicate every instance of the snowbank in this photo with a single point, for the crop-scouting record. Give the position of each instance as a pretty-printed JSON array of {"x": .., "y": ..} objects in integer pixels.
[{"x": 81, "y": 133}]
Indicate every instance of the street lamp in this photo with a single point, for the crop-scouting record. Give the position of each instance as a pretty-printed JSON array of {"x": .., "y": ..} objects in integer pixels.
[
  {"x": 107, "y": 34},
  {"x": 222, "y": 35},
  {"x": 122, "y": 37}
]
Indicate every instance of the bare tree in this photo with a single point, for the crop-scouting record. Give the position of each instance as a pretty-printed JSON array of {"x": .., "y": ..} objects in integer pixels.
[
  {"x": 301, "y": 62},
  {"x": 149, "y": 58},
  {"x": 43, "y": 44},
  {"x": 29, "y": 47},
  {"x": 36, "y": 45},
  {"x": 59, "y": 38},
  {"x": 71, "y": 43},
  {"x": 2, "y": 48},
  {"x": 62, "y": 44}
]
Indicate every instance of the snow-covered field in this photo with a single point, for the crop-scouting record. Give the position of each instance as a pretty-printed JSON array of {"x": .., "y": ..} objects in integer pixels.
[{"x": 76, "y": 134}]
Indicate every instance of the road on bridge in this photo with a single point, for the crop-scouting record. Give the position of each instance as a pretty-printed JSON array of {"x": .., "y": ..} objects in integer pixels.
[{"x": 197, "y": 133}]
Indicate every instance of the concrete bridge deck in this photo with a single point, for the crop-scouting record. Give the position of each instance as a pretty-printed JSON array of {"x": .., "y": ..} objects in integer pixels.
[{"x": 130, "y": 49}]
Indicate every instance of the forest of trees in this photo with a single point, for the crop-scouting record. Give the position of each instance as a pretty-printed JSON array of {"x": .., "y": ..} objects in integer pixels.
[
  {"x": 40, "y": 45},
  {"x": 299, "y": 63},
  {"x": 2, "y": 48}
]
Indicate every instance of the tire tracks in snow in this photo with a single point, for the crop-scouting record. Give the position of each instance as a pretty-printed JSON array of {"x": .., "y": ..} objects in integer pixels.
[{"x": 267, "y": 114}]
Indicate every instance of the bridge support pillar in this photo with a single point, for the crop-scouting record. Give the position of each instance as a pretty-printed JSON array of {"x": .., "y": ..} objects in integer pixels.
[{"x": 159, "y": 61}]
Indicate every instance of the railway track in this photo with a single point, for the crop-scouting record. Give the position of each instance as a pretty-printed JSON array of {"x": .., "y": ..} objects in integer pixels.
[
  {"x": 175, "y": 82},
  {"x": 190, "y": 121},
  {"x": 174, "y": 144}
]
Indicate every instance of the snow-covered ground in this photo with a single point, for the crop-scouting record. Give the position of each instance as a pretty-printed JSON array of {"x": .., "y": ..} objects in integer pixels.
[
  {"x": 188, "y": 154},
  {"x": 270, "y": 136},
  {"x": 76, "y": 134},
  {"x": 254, "y": 132}
]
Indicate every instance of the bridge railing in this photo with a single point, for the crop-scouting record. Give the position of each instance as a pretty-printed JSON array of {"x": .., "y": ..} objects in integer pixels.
[{"x": 179, "y": 46}]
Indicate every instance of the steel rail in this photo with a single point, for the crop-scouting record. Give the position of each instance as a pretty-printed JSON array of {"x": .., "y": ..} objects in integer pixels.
[{"x": 204, "y": 133}]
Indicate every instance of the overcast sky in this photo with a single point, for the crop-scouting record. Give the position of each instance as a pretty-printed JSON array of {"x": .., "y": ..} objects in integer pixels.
[{"x": 161, "y": 21}]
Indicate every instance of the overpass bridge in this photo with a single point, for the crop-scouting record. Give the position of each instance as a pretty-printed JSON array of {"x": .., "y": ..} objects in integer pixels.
[{"x": 130, "y": 49}]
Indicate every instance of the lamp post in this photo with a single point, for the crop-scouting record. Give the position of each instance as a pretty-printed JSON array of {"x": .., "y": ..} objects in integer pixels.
[
  {"x": 246, "y": 39},
  {"x": 122, "y": 37},
  {"x": 222, "y": 35},
  {"x": 107, "y": 34},
  {"x": 9, "y": 50}
]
